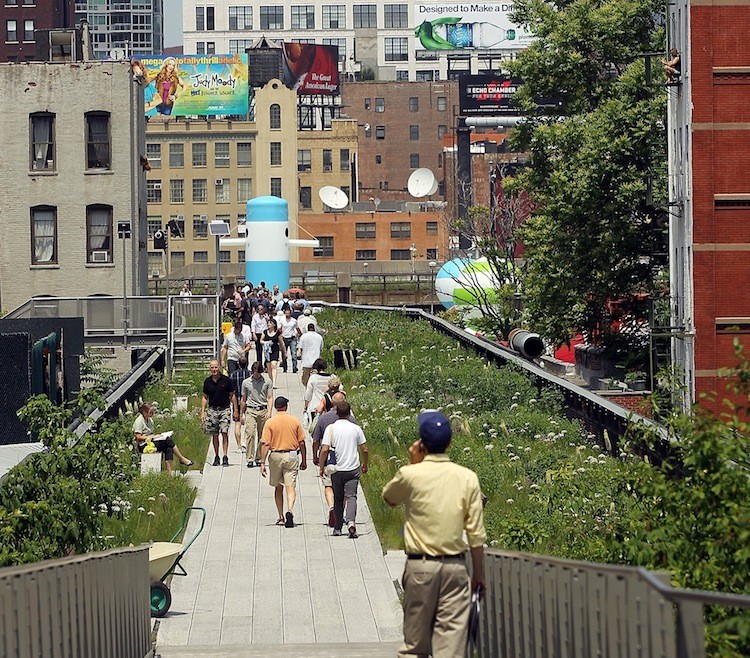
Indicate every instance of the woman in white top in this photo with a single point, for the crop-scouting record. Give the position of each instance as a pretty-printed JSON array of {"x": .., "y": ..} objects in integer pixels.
[
  {"x": 143, "y": 428},
  {"x": 317, "y": 386}
]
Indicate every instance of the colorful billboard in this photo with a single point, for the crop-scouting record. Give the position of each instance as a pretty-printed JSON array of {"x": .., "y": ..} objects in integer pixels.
[
  {"x": 459, "y": 26},
  {"x": 187, "y": 85},
  {"x": 310, "y": 69},
  {"x": 487, "y": 94}
]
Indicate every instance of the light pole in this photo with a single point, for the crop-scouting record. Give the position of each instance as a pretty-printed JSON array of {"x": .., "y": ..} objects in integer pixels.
[
  {"x": 218, "y": 229},
  {"x": 413, "y": 252},
  {"x": 432, "y": 265}
]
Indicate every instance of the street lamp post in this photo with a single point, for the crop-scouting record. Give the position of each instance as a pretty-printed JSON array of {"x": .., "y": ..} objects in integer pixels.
[
  {"x": 432, "y": 265},
  {"x": 218, "y": 229},
  {"x": 413, "y": 252}
]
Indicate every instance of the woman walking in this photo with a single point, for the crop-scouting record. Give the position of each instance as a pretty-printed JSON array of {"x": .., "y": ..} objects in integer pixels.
[{"x": 272, "y": 336}]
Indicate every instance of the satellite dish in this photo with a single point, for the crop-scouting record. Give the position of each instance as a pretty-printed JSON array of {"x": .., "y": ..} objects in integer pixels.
[
  {"x": 117, "y": 53},
  {"x": 333, "y": 197},
  {"x": 376, "y": 201},
  {"x": 421, "y": 182},
  {"x": 434, "y": 188}
]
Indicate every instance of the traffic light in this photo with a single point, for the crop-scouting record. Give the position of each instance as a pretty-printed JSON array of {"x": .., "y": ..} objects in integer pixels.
[
  {"x": 160, "y": 240},
  {"x": 174, "y": 229}
]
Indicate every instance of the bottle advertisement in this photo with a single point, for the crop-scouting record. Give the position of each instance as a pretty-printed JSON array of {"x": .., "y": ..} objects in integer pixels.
[{"x": 459, "y": 26}]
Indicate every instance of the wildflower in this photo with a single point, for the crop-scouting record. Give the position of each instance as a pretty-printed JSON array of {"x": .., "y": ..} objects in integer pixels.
[
  {"x": 467, "y": 449},
  {"x": 514, "y": 406},
  {"x": 151, "y": 513},
  {"x": 115, "y": 508},
  {"x": 103, "y": 507},
  {"x": 141, "y": 509},
  {"x": 510, "y": 501},
  {"x": 489, "y": 447},
  {"x": 151, "y": 499}
]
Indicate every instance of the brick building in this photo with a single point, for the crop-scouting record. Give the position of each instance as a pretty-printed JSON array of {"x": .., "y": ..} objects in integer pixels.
[
  {"x": 709, "y": 128},
  {"x": 22, "y": 21}
]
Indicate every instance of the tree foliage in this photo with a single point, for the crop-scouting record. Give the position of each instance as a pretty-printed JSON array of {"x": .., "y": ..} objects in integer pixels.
[{"x": 597, "y": 163}]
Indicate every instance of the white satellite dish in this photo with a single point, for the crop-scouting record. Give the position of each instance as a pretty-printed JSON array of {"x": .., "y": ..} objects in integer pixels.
[
  {"x": 117, "y": 53},
  {"x": 333, "y": 197},
  {"x": 421, "y": 182},
  {"x": 434, "y": 188}
]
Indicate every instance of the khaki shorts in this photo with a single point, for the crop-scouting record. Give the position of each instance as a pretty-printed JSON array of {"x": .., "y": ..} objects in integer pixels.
[
  {"x": 283, "y": 469},
  {"x": 326, "y": 480}
]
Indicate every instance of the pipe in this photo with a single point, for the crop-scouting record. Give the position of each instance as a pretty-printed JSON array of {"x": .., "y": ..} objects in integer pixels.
[
  {"x": 508, "y": 121},
  {"x": 525, "y": 343}
]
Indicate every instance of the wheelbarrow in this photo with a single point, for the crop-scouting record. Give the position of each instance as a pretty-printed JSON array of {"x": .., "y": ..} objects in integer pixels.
[{"x": 164, "y": 560}]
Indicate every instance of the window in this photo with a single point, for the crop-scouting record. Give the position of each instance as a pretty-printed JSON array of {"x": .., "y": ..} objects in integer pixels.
[
  {"x": 43, "y": 235},
  {"x": 414, "y": 104},
  {"x": 304, "y": 160},
  {"x": 28, "y": 30},
  {"x": 42, "y": 141},
  {"x": 379, "y": 132},
  {"x": 400, "y": 230},
  {"x": 334, "y": 17},
  {"x": 153, "y": 191},
  {"x": 364, "y": 230},
  {"x": 400, "y": 254},
  {"x": 275, "y": 116},
  {"x": 179, "y": 222},
  {"x": 365, "y": 16},
  {"x": 11, "y": 30},
  {"x": 305, "y": 197},
  {"x": 368, "y": 103},
  {"x": 221, "y": 187},
  {"x": 303, "y": 17},
  {"x": 431, "y": 254},
  {"x": 426, "y": 76},
  {"x": 98, "y": 234},
  {"x": 413, "y": 132},
  {"x": 340, "y": 44},
  {"x": 225, "y": 256},
  {"x": 210, "y": 23},
  {"x": 414, "y": 160},
  {"x": 221, "y": 154},
  {"x": 154, "y": 225},
  {"x": 200, "y": 47},
  {"x": 272, "y": 18},
  {"x": 210, "y": 47},
  {"x": 402, "y": 76},
  {"x": 244, "y": 154},
  {"x": 200, "y": 18},
  {"x": 178, "y": 259},
  {"x": 200, "y": 256},
  {"x": 442, "y": 103},
  {"x": 200, "y": 190},
  {"x": 380, "y": 104},
  {"x": 97, "y": 140},
  {"x": 240, "y": 18},
  {"x": 327, "y": 160},
  {"x": 176, "y": 155},
  {"x": 200, "y": 158},
  {"x": 365, "y": 254},
  {"x": 431, "y": 228},
  {"x": 275, "y": 156},
  {"x": 396, "y": 15},
  {"x": 378, "y": 159},
  {"x": 442, "y": 129},
  {"x": 244, "y": 189},
  {"x": 200, "y": 226},
  {"x": 440, "y": 160},
  {"x": 239, "y": 45},
  {"x": 153, "y": 153},
  {"x": 176, "y": 191},
  {"x": 344, "y": 163},
  {"x": 368, "y": 130},
  {"x": 325, "y": 250},
  {"x": 396, "y": 49},
  {"x": 305, "y": 118},
  {"x": 276, "y": 187},
  {"x": 241, "y": 256}
]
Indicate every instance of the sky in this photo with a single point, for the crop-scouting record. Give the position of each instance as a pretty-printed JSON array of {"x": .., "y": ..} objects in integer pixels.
[{"x": 172, "y": 23}]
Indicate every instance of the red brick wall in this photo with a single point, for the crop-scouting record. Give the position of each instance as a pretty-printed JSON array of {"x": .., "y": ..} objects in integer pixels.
[{"x": 46, "y": 14}]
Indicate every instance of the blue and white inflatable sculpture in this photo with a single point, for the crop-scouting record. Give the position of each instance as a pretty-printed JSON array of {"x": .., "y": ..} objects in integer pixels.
[{"x": 466, "y": 282}]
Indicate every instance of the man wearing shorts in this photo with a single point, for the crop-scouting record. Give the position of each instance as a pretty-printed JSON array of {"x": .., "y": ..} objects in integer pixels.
[
  {"x": 283, "y": 436},
  {"x": 216, "y": 409}
]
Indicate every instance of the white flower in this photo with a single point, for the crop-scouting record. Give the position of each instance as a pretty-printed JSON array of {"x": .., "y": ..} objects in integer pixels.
[
  {"x": 151, "y": 513},
  {"x": 514, "y": 406},
  {"x": 141, "y": 509},
  {"x": 115, "y": 508},
  {"x": 489, "y": 447},
  {"x": 510, "y": 501},
  {"x": 151, "y": 499}
]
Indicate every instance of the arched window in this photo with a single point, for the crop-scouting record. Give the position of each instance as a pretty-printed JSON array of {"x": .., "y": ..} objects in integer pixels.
[{"x": 275, "y": 115}]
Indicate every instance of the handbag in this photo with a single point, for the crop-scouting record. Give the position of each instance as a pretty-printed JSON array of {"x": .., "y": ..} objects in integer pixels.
[{"x": 330, "y": 468}]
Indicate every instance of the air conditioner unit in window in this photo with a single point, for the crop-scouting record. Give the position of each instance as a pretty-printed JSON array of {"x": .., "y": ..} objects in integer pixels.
[
  {"x": 219, "y": 181},
  {"x": 204, "y": 218},
  {"x": 180, "y": 218},
  {"x": 155, "y": 274},
  {"x": 100, "y": 257},
  {"x": 156, "y": 186}
]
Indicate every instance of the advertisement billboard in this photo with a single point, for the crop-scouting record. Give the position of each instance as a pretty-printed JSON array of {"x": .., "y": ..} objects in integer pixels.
[
  {"x": 310, "y": 69},
  {"x": 187, "y": 85},
  {"x": 459, "y": 26},
  {"x": 487, "y": 94}
]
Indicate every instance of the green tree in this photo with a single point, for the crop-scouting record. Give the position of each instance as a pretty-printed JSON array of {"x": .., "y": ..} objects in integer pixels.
[{"x": 597, "y": 165}]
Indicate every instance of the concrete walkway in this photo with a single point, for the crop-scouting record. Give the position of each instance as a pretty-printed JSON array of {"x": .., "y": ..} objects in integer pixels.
[{"x": 251, "y": 582}]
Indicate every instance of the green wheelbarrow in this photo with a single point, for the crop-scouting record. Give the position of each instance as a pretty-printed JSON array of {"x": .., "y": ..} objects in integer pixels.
[{"x": 164, "y": 560}]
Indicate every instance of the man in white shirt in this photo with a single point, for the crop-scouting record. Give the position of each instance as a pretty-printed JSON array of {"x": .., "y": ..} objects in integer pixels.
[
  {"x": 348, "y": 441},
  {"x": 307, "y": 319},
  {"x": 235, "y": 345},
  {"x": 309, "y": 347},
  {"x": 258, "y": 324},
  {"x": 289, "y": 332}
]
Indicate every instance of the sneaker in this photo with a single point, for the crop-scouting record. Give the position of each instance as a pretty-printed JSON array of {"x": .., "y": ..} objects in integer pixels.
[
  {"x": 250, "y": 464},
  {"x": 289, "y": 523},
  {"x": 353, "y": 532},
  {"x": 331, "y": 518},
  {"x": 244, "y": 448},
  {"x": 225, "y": 461},
  {"x": 240, "y": 451},
  {"x": 336, "y": 533},
  {"x": 257, "y": 463},
  {"x": 217, "y": 461},
  {"x": 295, "y": 370}
]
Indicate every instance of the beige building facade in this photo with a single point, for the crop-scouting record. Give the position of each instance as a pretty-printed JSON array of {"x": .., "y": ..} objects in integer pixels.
[{"x": 72, "y": 136}]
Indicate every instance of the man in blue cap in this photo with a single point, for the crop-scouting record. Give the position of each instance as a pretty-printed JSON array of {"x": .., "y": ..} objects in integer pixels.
[{"x": 442, "y": 501}]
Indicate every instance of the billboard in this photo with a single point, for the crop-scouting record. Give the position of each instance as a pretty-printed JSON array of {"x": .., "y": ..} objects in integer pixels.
[
  {"x": 310, "y": 69},
  {"x": 459, "y": 26},
  {"x": 186, "y": 85},
  {"x": 487, "y": 94}
]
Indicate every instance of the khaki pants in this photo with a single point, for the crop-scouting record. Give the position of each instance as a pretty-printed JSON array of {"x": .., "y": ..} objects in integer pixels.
[
  {"x": 437, "y": 595},
  {"x": 255, "y": 419},
  {"x": 306, "y": 372}
]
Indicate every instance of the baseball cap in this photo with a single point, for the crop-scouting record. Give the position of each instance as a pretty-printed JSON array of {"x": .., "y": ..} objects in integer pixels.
[
  {"x": 281, "y": 402},
  {"x": 307, "y": 311},
  {"x": 434, "y": 428}
]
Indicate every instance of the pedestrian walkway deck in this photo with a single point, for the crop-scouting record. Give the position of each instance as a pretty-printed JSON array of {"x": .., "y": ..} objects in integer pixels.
[{"x": 251, "y": 582}]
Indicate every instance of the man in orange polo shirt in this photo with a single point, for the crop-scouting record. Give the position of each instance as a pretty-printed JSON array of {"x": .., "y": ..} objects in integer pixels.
[{"x": 283, "y": 436}]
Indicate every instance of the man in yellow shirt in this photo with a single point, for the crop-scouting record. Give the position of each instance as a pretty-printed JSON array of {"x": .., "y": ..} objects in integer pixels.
[{"x": 442, "y": 501}]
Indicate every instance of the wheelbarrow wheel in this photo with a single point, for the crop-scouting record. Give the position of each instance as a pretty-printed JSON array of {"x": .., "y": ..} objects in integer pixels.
[{"x": 161, "y": 599}]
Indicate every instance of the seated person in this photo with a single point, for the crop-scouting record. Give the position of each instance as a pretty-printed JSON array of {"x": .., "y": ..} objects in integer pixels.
[
  {"x": 143, "y": 428},
  {"x": 673, "y": 66}
]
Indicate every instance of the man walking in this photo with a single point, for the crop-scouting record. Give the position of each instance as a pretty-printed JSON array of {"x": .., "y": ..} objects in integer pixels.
[
  {"x": 309, "y": 347},
  {"x": 235, "y": 345},
  {"x": 255, "y": 409},
  {"x": 216, "y": 409},
  {"x": 283, "y": 436},
  {"x": 289, "y": 332},
  {"x": 442, "y": 501},
  {"x": 258, "y": 324},
  {"x": 344, "y": 437},
  {"x": 237, "y": 377}
]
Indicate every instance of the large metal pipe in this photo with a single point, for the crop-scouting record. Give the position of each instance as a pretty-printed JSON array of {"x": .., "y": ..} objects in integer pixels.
[
  {"x": 525, "y": 343},
  {"x": 506, "y": 121}
]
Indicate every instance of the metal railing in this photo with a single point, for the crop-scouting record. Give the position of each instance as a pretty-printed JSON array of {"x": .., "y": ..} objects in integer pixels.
[
  {"x": 86, "y": 606},
  {"x": 548, "y": 608}
]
